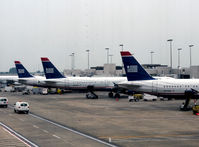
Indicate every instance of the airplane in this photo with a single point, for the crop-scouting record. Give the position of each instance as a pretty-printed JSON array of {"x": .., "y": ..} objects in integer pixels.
[
  {"x": 57, "y": 80},
  {"x": 26, "y": 78},
  {"x": 8, "y": 79},
  {"x": 140, "y": 81}
]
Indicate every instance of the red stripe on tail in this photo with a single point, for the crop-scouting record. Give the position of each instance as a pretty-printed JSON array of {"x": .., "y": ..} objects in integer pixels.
[
  {"x": 44, "y": 59},
  {"x": 17, "y": 62},
  {"x": 125, "y": 53}
]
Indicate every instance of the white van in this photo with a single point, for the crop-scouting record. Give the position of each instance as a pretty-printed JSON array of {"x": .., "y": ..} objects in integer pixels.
[
  {"x": 21, "y": 107},
  {"x": 3, "y": 102}
]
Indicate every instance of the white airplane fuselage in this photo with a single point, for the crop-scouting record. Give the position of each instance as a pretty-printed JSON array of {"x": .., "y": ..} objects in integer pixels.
[
  {"x": 4, "y": 79},
  {"x": 33, "y": 81},
  {"x": 172, "y": 88},
  {"x": 98, "y": 83},
  {"x": 72, "y": 83}
]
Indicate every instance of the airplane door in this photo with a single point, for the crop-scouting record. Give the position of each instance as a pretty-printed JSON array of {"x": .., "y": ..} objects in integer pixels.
[
  {"x": 66, "y": 83},
  {"x": 155, "y": 87}
]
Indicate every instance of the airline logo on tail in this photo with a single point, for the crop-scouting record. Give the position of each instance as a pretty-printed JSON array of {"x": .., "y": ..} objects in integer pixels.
[
  {"x": 132, "y": 68},
  {"x": 21, "y": 71},
  {"x": 50, "y": 70},
  {"x": 134, "y": 71}
]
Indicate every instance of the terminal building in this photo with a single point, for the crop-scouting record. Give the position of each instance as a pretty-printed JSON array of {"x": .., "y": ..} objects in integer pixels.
[{"x": 152, "y": 69}]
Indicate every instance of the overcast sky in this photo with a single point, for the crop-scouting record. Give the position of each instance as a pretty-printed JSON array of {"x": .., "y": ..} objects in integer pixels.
[{"x": 30, "y": 29}]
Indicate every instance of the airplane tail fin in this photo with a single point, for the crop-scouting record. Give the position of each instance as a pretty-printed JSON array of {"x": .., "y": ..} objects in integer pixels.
[
  {"x": 50, "y": 70},
  {"x": 21, "y": 70},
  {"x": 134, "y": 71}
]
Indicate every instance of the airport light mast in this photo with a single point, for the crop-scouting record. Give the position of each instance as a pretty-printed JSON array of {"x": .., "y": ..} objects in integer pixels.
[
  {"x": 122, "y": 46},
  {"x": 152, "y": 57},
  {"x": 179, "y": 62},
  {"x": 107, "y": 49},
  {"x": 170, "y": 40},
  {"x": 88, "y": 57},
  {"x": 111, "y": 55},
  {"x": 122, "y": 62},
  {"x": 190, "y": 46},
  {"x": 72, "y": 60},
  {"x": 179, "y": 57}
]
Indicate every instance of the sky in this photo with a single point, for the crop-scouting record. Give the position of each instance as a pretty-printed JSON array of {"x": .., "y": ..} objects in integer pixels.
[{"x": 30, "y": 29}]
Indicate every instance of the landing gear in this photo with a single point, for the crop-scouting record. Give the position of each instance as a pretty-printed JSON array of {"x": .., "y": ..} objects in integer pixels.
[
  {"x": 169, "y": 99},
  {"x": 110, "y": 94},
  {"x": 91, "y": 95},
  {"x": 117, "y": 95}
]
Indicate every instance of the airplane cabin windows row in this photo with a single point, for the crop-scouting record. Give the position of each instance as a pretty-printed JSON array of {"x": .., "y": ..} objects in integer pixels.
[{"x": 179, "y": 86}]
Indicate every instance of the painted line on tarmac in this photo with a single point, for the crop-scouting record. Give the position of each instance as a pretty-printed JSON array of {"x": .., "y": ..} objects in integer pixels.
[
  {"x": 72, "y": 130},
  {"x": 18, "y": 136},
  {"x": 56, "y": 136},
  {"x": 35, "y": 126},
  {"x": 21, "y": 119},
  {"x": 149, "y": 136},
  {"x": 45, "y": 131}
]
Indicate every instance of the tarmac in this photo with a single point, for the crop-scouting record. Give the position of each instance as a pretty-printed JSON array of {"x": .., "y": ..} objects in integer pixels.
[{"x": 72, "y": 120}]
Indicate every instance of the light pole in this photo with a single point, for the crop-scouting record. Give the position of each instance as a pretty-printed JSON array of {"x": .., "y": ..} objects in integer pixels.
[
  {"x": 121, "y": 46},
  {"x": 111, "y": 57},
  {"x": 179, "y": 62},
  {"x": 107, "y": 49},
  {"x": 179, "y": 57},
  {"x": 170, "y": 40},
  {"x": 88, "y": 57},
  {"x": 151, "y": 57},
  {"x": 190, "y": 46},
  {"x": 122, "y": 62},
  {"x": 72, "y": 60}
]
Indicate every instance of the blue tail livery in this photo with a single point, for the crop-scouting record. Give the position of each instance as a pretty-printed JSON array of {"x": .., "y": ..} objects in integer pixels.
[
  {"x": 21, "y": 70},
  {"x": 50, "y": 70},
  {"x": 134, "y": 71}
]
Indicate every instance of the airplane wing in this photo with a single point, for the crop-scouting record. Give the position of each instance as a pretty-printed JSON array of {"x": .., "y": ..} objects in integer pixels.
[
  {"x": 126, "y": 85},
  {"x": 129, "y": 85},
  {"x": 50, "y": 82},
  {"x": 22, "y": 80}
]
